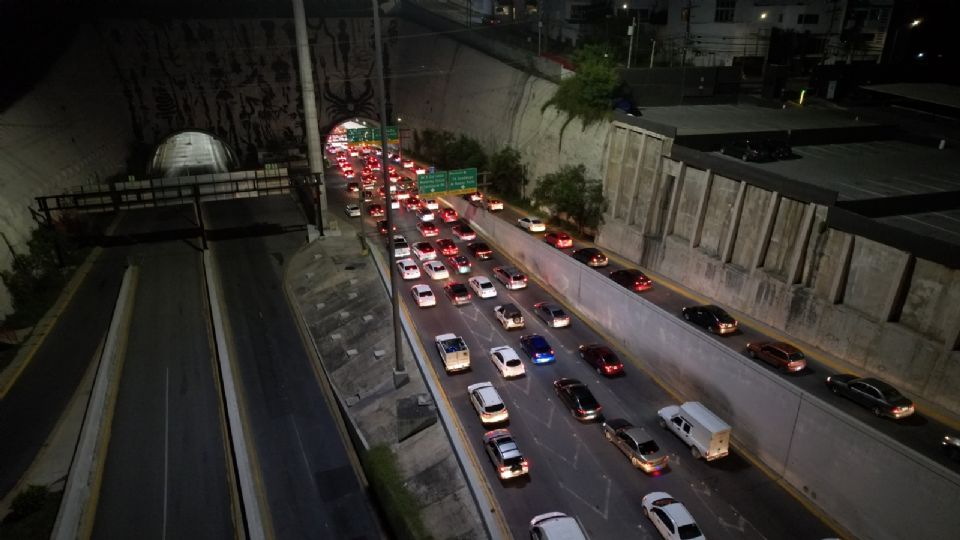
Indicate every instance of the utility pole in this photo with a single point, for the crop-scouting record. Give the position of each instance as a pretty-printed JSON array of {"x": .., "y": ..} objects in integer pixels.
[
  {"x": 310, "y": 127},
  {"x": 400, "y": 376},
  {"x": 630, "y": 32},
  {"x": 653, "y": 48}
]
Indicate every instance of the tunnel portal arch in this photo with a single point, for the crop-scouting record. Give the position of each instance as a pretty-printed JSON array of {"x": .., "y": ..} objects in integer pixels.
[{"x": 191, "y": 151}]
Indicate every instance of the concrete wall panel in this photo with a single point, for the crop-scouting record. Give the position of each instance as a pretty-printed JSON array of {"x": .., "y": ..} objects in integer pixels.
[
  {"x": 933, "y": 301},
  {"x": 871, "y": 484},
  {"x": 686, "y": 220},
  {"x": 751, "y": 222},
  {"x": 870, "y": 278},
  {"x": 718, "y": 217},
  {"x": 783, "y": 240},
  {"x": 945, "y": 380}
]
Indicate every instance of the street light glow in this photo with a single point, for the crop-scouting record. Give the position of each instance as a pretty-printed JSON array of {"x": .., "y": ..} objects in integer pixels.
[
  {"x": 915, "y": 23},
  {"x": 763, "y": 15}
]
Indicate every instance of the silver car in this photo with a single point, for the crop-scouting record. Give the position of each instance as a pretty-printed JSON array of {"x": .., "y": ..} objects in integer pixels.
[{"x": 636, "y": 444}]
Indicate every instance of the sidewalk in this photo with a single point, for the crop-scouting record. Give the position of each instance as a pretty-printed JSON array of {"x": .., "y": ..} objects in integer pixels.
[{"x": 346, "y": 308}]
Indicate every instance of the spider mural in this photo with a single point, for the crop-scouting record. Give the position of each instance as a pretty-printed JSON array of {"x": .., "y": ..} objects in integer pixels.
[{"x": 346, "y": 103}]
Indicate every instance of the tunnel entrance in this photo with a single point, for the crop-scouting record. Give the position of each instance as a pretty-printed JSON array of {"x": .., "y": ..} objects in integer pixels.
[{"x": 190, "y": 153}]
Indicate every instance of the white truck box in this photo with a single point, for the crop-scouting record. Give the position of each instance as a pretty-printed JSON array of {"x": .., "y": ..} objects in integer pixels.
[
  {"x": 704, "y": 432},
  {"x": 453, "y": 352}
]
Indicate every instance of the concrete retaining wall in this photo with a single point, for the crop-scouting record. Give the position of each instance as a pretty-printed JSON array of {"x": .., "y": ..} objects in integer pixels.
[{"x": 872, "y": 485}]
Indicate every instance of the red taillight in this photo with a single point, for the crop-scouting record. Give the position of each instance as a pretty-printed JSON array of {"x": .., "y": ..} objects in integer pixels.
[
  {"x": 524, "y": 279},
  {"x": 581, "y": 411},
  {"x": 503, "y": 469}
]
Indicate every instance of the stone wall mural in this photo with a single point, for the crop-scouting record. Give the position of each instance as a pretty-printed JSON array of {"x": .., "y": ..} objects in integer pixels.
[{"x": 238, "y": 79}]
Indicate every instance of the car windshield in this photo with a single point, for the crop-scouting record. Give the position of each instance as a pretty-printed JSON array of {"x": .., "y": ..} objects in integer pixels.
[
  {"x": 425, "y": 294},
  {"x": 513, "y": 362},
  {"x": 458, "y": 289},
  {"x": 891, "y": 394},
  {"x": 795, "y": 356},
  {"x": 513, "y": 461},
  {"x": 486, "y": 285},
  {"x": 610, "y": 359},
  {"x": 648, "y": 448},
  {"x": 723, "y": 317},
  {"x": 557, "y": 313},
  {"x": 496, "y": 407},
  {"x": 585, "y": 398},
  {"x": 539, "y": 343},
  {"x": 688, "y": 531}
]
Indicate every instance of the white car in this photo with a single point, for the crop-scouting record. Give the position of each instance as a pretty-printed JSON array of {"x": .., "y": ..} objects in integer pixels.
[
  {"x": 487, "y": 402},
  {"x": 423, "y": 296},
  {"x": 425, "y": 215},
  {"x": 431, "y": 204},
  {"x": 670, "y": 517},
  {"x": 436, "y": 270},
  {"x": 408, "y": 164},
  {"x": 395, "y": 204},
  {"x": 408, "y": 269},
  {"x": 482, "y": 286},
  {"x": 531, "y": 224},
  {"x": 424, "y": 251},
  {"x": 420, "y": 169},
  {"x": 352, "y": 210},
  {"x": 507, "y": 361}
]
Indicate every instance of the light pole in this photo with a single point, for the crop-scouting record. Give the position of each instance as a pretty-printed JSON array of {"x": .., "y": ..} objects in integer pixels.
[
  {"x": 399, "y": 373},
  {"x": 630, "y": 31}
]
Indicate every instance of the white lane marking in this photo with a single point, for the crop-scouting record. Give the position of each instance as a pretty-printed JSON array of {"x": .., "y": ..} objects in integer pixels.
[
  {"x": 166, "y": 450},
  {"x": 606, "y": 502}
]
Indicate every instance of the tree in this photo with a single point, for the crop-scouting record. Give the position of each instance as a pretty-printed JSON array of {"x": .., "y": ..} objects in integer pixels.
[
  {"x": 508, "y": 174},
  {"x": 568, "y": 192},
  {"x": 588, "y": 93},
  {"x": 445, "y": 151}
]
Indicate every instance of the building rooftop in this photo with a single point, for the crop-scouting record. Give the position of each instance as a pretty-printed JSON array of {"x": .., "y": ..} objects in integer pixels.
[{"x": 718, "y": 119}]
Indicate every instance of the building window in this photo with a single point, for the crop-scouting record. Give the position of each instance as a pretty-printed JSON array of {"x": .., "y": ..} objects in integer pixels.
[
  {"x": 808, "y": 18},
  {"x": 725, "y": 9}
]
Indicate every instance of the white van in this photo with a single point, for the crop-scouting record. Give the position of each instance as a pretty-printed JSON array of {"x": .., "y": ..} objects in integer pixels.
[
  {"x": 704, "y": 432},
  {"x": 556, "y": 526}
]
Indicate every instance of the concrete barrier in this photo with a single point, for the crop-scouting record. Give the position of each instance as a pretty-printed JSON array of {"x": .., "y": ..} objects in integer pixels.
[
  {"x": 870, "y": 484},
  {"x": 238, "y": 440},
  {"x": 78, "y": 505}
]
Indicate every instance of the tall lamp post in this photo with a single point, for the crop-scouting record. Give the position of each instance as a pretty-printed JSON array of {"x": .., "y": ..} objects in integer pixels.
[{"x": 400, "y": 376}]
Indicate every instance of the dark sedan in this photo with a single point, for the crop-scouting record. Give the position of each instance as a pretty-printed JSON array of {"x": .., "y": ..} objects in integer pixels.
[
  {"x": 578, "y": 398},
  {"x": 874, "y": 394},
  {"x": 480, "y": 250},
  {"x": 537, "y": 348},
  {"x": 602, "y": 359},
  {"x": 747, "y": 150},
  {"x": 634, "y": 280},
  {"x": 711, "y": 317},
  {"x": 591, "y": 257}
]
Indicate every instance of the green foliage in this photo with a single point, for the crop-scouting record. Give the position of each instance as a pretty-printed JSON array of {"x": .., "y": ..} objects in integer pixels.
[
  {"x": 568, "y": 192},
  {"x": 33, "y": 513},
  {"x": 508, "y": 174},
  {"x": 34, "y": 279},
  {"x": 446, "y": 151},
  {"x": 587, "y": 94},
  {"x": 398, "y": 504}
]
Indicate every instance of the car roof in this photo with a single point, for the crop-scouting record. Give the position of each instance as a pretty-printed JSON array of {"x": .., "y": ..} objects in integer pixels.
[
  {"x": 480, "y": 279},
  {"x": 638, "y": 434},
  {"x": 506, "y": 352},
  {"x": 487, "y": 393},
  {"x": 421, "y": 288},
  {"x": 879, "y": 385},
  {"x": 785, "y": 347},
  {"x": 560, "y": 526},
  {"x": 678, "y": 513}
]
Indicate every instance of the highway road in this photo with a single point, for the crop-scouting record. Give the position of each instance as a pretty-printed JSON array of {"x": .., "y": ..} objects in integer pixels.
[
  {"x": 573, "y": 468},
  {"x": 167, "y": 470},
  {"x": 310, "y": 486}
]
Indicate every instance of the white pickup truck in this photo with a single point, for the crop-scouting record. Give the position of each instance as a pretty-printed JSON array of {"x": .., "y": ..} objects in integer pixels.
[{"x": 453, "y": 352}]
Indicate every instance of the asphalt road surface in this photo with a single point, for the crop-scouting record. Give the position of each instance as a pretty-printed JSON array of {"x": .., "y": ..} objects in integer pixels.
[
  {"x": 310, "y": 485},
  {"x": 573, "y": 469},
  {"x": 167, "y": 471}
]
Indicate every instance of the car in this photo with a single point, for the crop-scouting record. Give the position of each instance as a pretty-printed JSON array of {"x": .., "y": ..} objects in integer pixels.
[
  {"x": 602, "y": 359},
  {"x": 408, "y": 269},
  {"x": 412, "y": 204},
  {"x": 382, "y": 226},
  {"x": 367, "y": 195},
  {"x": 510, "y": 276},
  {"x": 423, "y": 296},
  {"x": 778, "y": 354},
  {"x": 531, "y": 224},
  {"x": 642, "y": 451},
  {"x": 591, "y": 257},
  {"x": 432, "y": 204},
  {"x": 428, "y": 229},
  {"x": 407, "y": 164},
  {"x": 457, "y": 293},
  {"x": 505, "y": 454},
  {"x": 558, "y": 239},
  {"x": 353, "y": 187},
  {"x": 494, "y": 204},
  {"x": 449, "y": 215},
  {"x": 400, "y": 246},
  {"x": 578, "y": 398},
  {"x": 393, "y": 177},
  {"x": 507, "y": 362},
  {"x": 746, "y": 149},
  {"x": 556, "y": 526},
  {"x": 551, "y": 314},
  {"x": 482, "y": 286},
  {"x": 352, "y": 210},
  {"x": 874, "y": 394},
  {"x": 634, "y": 280},
  {"x": 447, "y": 247},
  {"x": 420, "y": 169},
  {"x": 425, "y": 215},
  {"x": 951, "y": 445},
  {"x": 537, "y": 348},
  {"x": 670, "y": 517},
  {"x": 394, "y": 203},
  {"x": 436, "y": 270},
  {"x": 509, "y": 316},
  {"x": 354, "y": 152},
  {"x": 460, "y": 264},
  {"x": 375, "y": 210},
  {"x": 487, "y": 402},
  {"x": 402, "y": 194},
  {"x": 777, "y": 149},
  {"x": 348, "y": 173},
  {"x": 480, "y": 250},
  {"x": 464, "y": 232},
  {"x": 711, "y": 317},
  {"x": 473, "y": 197},
  {"x": 424, "y": 251}
]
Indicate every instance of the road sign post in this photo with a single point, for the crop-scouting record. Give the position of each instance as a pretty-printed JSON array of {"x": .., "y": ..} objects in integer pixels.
[
  {"x": 432, "y": 183},
  {"x": 462, "y": 181}
]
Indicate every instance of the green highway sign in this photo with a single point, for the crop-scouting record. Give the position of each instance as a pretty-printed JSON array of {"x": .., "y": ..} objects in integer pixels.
[
  {"x": 462, "y": 181},
  {"x": 435, "y": 182},
  {"x": 372, "y": 135}
]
